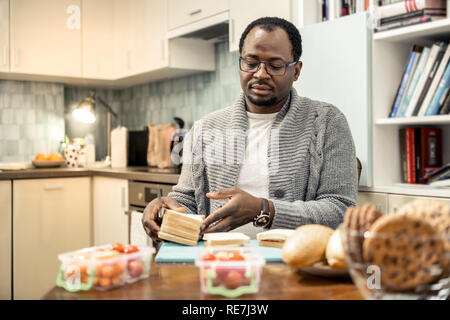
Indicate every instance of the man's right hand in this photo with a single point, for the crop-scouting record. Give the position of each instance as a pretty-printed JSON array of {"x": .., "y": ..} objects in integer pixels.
[{"x": 150, "y": 219}]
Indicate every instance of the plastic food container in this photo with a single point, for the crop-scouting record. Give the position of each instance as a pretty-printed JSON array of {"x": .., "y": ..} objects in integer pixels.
[
  {"x": 229, "y": 271},
  {"x": 412, "y": 266},
  {"x": 103, "y": 267}
]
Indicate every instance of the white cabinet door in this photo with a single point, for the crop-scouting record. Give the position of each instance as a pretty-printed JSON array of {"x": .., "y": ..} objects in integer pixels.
[
  {"x": 395, "y": 201},
  {"x": 50, "y": 216},
  {"x": 182, "y": 12},
  {"x": 4, "y": 35},
  {"x": 5, "y": 240},
  {"x": 379, "y": 200},
  {"x": 110, "y": 198},
  {"x": 140, "y": 43},
  {"x": 242, "y": 13},
  {"x": 98, "y": 39},
  {"x": 46, "y": 37},
  {"x": 148, "y": 45}
]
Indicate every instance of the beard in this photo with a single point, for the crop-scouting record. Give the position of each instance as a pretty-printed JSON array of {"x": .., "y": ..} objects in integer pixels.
[{"x": 262, "y": 103}]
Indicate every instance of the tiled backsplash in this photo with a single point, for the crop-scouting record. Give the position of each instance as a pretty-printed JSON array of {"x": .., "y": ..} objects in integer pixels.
[
  {"x": 31, "y": 119},
  {"x": 40, "y": 113}
]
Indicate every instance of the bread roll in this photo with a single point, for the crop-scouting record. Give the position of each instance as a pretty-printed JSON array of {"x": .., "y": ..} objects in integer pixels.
[
  {"x": 334, "y": 252},
  {"x": 306, "y": 245}
]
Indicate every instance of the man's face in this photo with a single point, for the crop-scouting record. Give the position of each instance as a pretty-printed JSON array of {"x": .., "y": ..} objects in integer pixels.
[{"x": 260, "y": 88}]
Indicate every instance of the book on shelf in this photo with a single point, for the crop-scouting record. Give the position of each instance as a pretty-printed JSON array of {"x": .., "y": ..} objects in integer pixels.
[
  {"x": 414, "y": 80},
  {"x": 441, "y": 173},
  {"x": 436, "y": 48},
  {"x": 431, "y": 149},
  {"x": 439, "y": 96},
  {"x": 407, "y": 155},
  {"x": 408, "y": 22},
  {"x": 412, "y": 14},
  {"x": 427, "y": 84},
  {"x": 403, "y": 161},
  {"x": 332, "y": 9},
  {"x": 434, "y": 79},
  {"x": 401, "y": 7},
  {"x": 409, "y": 69},
  {"x": 420, "y": 153},
  {"x": 445, "y": 109}
]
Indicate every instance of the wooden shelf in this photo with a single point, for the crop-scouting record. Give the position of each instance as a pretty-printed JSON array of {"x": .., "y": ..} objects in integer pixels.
[
  {"x": 434, "y": 29},
  {"x": 409, "y": 189},
  {"x": 425, "y": 120}
]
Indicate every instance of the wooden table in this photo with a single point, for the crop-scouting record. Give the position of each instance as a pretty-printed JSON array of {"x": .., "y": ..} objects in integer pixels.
[{"x": 180, "y": 281}]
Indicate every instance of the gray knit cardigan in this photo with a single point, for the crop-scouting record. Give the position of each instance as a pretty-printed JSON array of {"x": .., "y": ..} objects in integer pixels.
[{"x": 312, "y": 162}]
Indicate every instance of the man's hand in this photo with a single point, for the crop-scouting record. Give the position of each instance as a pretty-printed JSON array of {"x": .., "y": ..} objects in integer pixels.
[
  {"x": 150, "y": 219},
  {"x": 240, "y": 210}
]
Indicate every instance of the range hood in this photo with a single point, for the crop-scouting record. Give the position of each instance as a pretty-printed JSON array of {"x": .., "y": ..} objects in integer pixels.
[{"x": 212, "y": 29}]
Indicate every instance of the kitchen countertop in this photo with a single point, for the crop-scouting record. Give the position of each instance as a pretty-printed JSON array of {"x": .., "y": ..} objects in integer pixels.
[
  {"x": 180, "y": 281},
  {"x": 148, "y": 174}
]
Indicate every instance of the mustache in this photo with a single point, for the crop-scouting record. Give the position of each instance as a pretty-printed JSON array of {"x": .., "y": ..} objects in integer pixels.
[{"x": 259, "y": 83}]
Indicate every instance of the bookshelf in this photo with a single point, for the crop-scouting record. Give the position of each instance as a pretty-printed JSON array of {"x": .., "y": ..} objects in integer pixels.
[
  {"x": 386, "y": 54},
  {"x": 390, "y": 51}
]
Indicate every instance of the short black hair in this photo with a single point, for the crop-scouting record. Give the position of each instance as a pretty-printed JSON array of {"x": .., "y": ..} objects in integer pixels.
[{"x": 269, "y": 24}]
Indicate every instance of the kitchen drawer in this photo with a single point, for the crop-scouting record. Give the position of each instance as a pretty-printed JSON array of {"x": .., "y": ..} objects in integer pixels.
[
  {"x": 182, "y": 12},
  {"x": 395, "y": 201},
  {"x": 380, "y": 200}
]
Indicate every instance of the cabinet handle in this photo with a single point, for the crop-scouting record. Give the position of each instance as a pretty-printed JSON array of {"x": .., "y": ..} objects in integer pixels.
[
  {"x": 16, "y": 62},
  {"x": 195, "y": 12},
  {"x": 53, "y": 188},
  {"x": 5, "y": 56},
  {"x": 163, "y": 45}
]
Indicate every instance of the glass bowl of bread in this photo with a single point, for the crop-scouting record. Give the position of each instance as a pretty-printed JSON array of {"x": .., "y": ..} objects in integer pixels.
[{"x": 401, "y": 255}]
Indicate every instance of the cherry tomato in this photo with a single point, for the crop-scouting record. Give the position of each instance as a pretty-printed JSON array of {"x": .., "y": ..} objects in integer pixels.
[
  {"x": 130, "y": 249},
  {"x": 235, "y": 256},
  {"x": 233, "y": 279},
  {"x": 209, "y": 257},
  {"x": 118, "y": 247}
]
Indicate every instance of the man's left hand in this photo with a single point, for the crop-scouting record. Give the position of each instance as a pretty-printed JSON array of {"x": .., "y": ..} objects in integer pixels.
[{"x": 240, "y": 210}]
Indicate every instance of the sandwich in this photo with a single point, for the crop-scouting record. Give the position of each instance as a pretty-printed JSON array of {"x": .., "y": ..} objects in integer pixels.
[
  {"x": 181, "y": 228},
  {"x": 273, "y": 238},
  {"x": 225, "y": 239}
]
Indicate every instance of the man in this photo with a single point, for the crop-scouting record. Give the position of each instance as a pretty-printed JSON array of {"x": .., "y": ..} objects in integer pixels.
[{"x": 271, "y": 160}]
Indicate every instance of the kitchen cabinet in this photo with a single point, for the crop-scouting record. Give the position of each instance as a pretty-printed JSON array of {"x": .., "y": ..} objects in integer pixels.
[
  {"x": 379, "y": 200},
  {"x": 98, "y": 39},
  {"x": 244, "y": 12},
  {"x": 5, "y": 240},
  {"x": 123, "y": 38},
  {"x": 4, "y": 35},
  {"x": 396, "y": 201},
  {"x": 51, "y": 216},
  {"x": 147, "y": 43},
  {"x": 46, "y": 37},
  {"x": 182, "y": 12},
  {"x": 110, "y": 203}
]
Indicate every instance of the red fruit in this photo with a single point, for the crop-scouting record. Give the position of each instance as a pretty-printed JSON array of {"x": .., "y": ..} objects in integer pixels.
[
  {"x": 135, "y": 268},
  {"x": 118, "y": 247},
  {"x": 208, "y": 257},
  {"x": 130, "y": 249},
  {"x": 222, "y": 273},
  {"x": 235, "y": 256},
  {"x": 233, "y": 280}
]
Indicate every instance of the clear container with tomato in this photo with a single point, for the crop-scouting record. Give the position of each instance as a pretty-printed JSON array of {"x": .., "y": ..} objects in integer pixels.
[
  {"x": 103, "y": 267},
  {"x": 229, "y": 271}
]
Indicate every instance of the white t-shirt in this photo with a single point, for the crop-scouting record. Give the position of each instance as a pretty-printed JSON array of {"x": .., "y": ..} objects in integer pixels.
[{"x": 254, "y": 174}]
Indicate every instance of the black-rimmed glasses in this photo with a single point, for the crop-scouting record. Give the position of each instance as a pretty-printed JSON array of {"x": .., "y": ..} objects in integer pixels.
[{"x": 274, "y": 68}]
